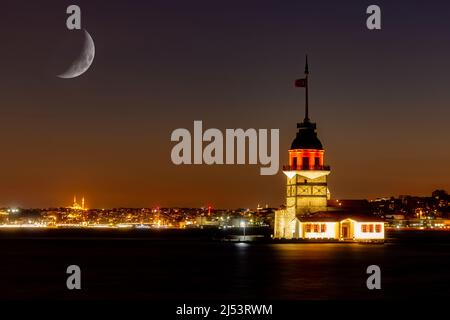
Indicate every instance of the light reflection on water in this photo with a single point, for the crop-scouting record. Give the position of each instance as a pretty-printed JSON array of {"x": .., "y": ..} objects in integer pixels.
[
  {"x": 318, "y": 271},
  {"x": 197, "y": 269}
]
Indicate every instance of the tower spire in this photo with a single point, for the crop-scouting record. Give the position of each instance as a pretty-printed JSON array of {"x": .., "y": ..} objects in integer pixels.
[{"x": 306, "y": 88}]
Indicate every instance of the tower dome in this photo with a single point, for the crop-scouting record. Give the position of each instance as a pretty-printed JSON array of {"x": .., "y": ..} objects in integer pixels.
[{"x": 306, "y": 137}]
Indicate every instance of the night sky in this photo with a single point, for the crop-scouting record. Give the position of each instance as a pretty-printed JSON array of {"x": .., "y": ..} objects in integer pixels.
[{"x": 380, "y": 98}]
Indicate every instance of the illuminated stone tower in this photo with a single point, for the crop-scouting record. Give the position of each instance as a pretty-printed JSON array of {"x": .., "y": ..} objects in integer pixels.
[{"x": 306, "y": 185}]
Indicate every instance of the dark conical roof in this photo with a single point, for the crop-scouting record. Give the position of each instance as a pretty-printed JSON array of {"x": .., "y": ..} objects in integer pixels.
[{"x": 306, "y": 137}]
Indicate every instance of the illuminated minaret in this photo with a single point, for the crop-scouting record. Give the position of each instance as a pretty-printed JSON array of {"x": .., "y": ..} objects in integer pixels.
[
  {"x": 306, "y": 184},
  {"x": 76, "y": 206},
  {"x": 306, "y": 173}
]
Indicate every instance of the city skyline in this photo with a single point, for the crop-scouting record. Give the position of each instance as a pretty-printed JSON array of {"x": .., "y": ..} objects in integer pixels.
[
  {"x": 85, "y": 204},
  {"x": 381, "y": 114}
]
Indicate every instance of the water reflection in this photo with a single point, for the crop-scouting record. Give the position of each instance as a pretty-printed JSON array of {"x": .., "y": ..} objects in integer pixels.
[
  {"x": 198, "y": 269},
  {"x": 322, "y": 271}
]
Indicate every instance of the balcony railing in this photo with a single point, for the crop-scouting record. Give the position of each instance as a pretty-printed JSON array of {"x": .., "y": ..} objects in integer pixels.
[{"x": 294, "y": 168}]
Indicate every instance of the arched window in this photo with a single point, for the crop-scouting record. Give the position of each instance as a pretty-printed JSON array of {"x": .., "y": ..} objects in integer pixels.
[
  {"x": 305, "y": 163},
  {"x": 294, "y": 163}
]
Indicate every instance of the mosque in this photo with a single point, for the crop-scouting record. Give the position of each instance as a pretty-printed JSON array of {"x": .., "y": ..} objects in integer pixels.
[
  {"x": 307, "y": 214},
  {"x": 76, "y": 205}
]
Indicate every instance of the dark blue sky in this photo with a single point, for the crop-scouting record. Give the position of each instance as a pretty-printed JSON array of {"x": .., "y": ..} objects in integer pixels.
[{"x": 380, "y": 98}]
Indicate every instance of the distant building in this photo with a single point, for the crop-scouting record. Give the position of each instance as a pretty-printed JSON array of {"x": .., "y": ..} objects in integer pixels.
[
  {"x": 340, "y": 225},
  {"x": 206, "y": 221},
  {"x": 76, "y": 206},
  {"x": 307, "y": 214}
]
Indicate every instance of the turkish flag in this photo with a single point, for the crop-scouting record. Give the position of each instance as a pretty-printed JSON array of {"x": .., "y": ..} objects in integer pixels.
[{"x": 300, "y": 83}]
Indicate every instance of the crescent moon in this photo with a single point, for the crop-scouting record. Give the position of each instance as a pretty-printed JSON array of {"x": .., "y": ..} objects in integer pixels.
[{"x": 84, "y": 61}]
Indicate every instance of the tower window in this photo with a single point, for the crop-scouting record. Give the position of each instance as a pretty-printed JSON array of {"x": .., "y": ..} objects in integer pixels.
[
  {"x": 308, "y": 227},
  {"x": 370, "y": 227},
  {"x": 305, "y": 162},
  {"x": 294, "y": 162},
  {"x": 316, "y": 227},
  {"x": 316, "y": 161},
  {"x": 323, "y": 227},
  {"x": 378, "y": 228}
]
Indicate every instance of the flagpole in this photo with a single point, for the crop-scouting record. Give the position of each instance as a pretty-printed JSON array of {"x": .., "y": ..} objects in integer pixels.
[{"x": 306, "y": 88}]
